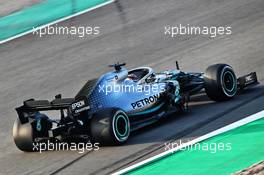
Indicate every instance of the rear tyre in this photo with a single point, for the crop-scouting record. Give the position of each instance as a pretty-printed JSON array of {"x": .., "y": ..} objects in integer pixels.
[
  {"x": 110, "y": 127},
  {"x": 220, "y": 82},
  {"x": 23, "y": 136}
]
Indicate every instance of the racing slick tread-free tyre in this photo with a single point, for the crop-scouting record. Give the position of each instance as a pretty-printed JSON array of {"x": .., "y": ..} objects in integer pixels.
[
  {"x": 110, "y": 127},
  {"x": 23, "y": 136},
  {"x": 220, "y": 82}
]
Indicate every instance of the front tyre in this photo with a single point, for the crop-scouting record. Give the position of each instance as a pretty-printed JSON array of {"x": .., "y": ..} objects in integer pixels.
[
  {"x": 220, "y": 82},
  {"x": 110, "y": 127}
]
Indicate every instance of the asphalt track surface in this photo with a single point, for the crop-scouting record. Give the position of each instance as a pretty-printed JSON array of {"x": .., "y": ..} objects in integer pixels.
[
  {"x": 132, "y": 31},
  {"x": 11, "y": 6}
]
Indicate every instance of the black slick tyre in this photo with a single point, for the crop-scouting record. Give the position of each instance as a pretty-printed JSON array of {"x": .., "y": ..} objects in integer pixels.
[
  {"x": 220, "y": 82},
  {"x": 110, "y": 127}
]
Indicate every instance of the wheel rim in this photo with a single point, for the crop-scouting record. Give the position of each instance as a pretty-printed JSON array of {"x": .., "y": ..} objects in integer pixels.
[
  {"x": 121, "y": 126},
  {"x": 229, "y": 83}
]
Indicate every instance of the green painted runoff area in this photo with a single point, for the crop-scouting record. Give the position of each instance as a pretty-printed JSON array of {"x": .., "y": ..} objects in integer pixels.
[
  {"x": 244, "y": 146},
  {"x": 41, "y": 14}
]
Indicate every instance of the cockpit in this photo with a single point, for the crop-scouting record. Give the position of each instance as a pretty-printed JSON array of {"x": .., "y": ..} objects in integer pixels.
[{"x": 140, "y": 74}]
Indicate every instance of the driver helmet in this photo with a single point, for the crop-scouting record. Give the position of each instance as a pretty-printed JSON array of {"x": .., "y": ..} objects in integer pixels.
[{"x": 132, "y": 77}]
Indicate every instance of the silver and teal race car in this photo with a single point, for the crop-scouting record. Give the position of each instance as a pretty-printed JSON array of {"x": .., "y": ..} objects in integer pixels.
[{"x": 106, "y": 110}]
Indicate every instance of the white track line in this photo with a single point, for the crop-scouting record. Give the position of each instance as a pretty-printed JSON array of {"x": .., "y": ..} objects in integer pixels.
[
  {"x": 234, "y": 125},
  {"x": 57, "y": 21}
]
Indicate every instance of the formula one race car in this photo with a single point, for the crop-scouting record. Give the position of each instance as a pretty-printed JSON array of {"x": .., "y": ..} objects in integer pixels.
[{"x": 106, "y": 110}]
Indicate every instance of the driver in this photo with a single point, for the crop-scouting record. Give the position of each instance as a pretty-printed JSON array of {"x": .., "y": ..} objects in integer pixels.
[{"x": 132, "y": 77}]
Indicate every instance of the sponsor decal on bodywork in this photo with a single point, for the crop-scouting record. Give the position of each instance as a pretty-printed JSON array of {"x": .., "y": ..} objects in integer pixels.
[
  {"x": 80, "y": 106},
  {"x": 146, "y": 101}
]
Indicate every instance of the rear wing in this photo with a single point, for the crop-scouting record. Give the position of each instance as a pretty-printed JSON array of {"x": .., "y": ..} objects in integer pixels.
[
  {"x": 247, "y": 80},
  {"x": 72, "y": 105}
]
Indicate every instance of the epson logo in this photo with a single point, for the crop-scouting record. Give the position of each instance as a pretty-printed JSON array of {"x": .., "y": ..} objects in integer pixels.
[{"x": 78, "y": 104}]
